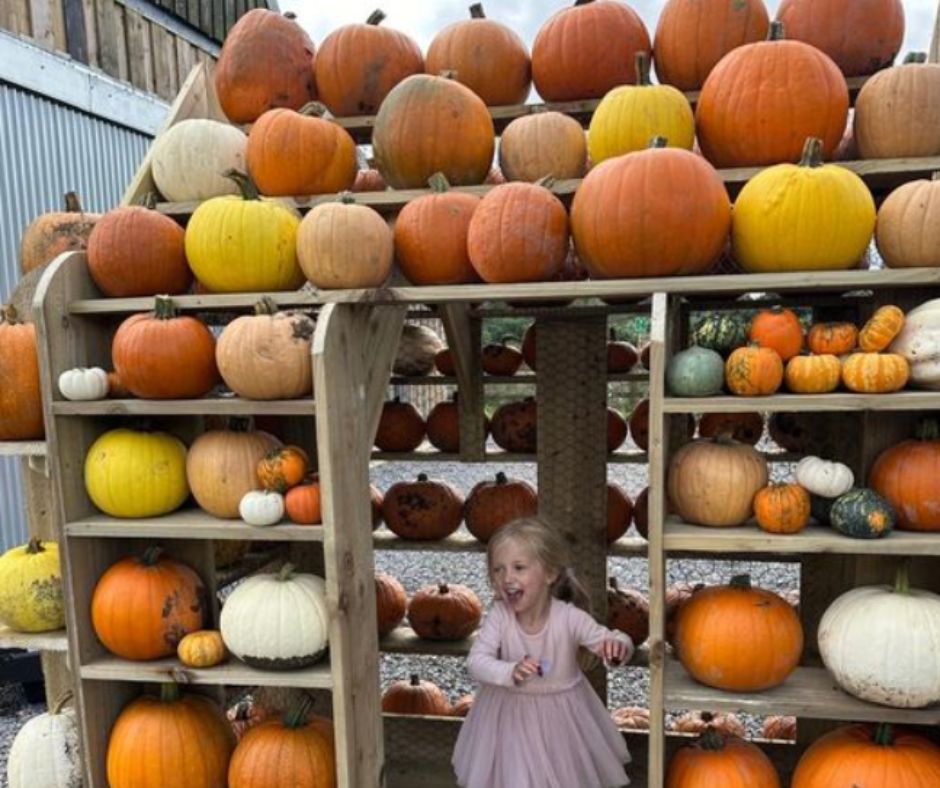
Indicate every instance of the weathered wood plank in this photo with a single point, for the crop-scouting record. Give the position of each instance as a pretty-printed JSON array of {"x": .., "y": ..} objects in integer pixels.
[
  {"x": 112, "y": 39},
  {"x": 90, "y": 20},
  {"x": 140, "y": 45},
  {"x": 42, "y": 15},
  {"x": 75, "y": 37},
  {"x": 218, "y": 19},
  {"x": 463, "y": 338},
  {"x": 14, "y": 17},
  {"x": 166, "y": 81}
]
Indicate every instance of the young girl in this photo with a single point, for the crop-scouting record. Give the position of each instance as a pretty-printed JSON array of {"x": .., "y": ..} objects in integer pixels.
[{"x": 536, "y": 722}]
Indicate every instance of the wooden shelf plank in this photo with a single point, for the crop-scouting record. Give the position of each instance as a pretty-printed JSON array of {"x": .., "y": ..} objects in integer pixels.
[
  {"x": 222, "y": 406},
  {"x": 190, "y": 524},
  {"x": 808, "y": 692},
  {"x": 460, "y": 542},
  {"x": 431, "y": 455},
  {"x": 502, "y": 380},
  {"x": 680, "y": 536},
  {"x": 841, "y": 401},
  {"x": 232, "y": 673},
  {"x": 22, "y": 448},
  {"x": 34, "y": 641}
]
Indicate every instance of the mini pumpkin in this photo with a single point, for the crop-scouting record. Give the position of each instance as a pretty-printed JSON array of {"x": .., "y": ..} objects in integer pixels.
[
  {"x": 415, "y": 696},
  {"x": 862, "y": 514},
  {"x": 201, "y": 649},
  {"x": 836, "y": 339},
  {"x": 84, "y": 383},
  {"x": 631, "y": 718},
  {"x": 283, "y": 468},
  {"x": 813, "y": 374},
  {"x": 875, "y": 373},
  {"x": 302, "y": 503},
  {"x": 754, "y": 371},
  {"x": 881, "y": 329},
  {"x": 698, "y": 722},
  {"x": 782, "y": 508},
  {"x": 447, "y": 611},
  {"x": 823, "y": 477},
  {"x": 777, "y": 328},
  {"x": 261, "y": 507}
]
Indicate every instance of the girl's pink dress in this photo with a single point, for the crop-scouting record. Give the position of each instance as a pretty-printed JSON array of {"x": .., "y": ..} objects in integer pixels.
[{"x": 551, "y": 732}]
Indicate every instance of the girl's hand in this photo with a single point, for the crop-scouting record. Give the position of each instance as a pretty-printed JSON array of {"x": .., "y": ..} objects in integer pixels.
[
  {"x": 614, "y": 651},
  {"x": 524, "y": 670}
]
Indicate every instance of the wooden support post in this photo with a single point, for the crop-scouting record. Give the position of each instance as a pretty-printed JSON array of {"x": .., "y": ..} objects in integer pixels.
[
  {"x": 934, "y": 56},
  {"x": 463, "y": 338},
  {"x": 353, "y": 349}
]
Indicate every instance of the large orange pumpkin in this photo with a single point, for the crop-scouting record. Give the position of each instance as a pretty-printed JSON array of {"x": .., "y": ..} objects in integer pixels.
[
  {"x": 20, "y": 395},
  {"x": 135, "y": 251},
  {"x": 861, "y": 36},
  {"x": 359, "y": 64},
  {"x": 518, "y": 233},
  {"x": 674, "y": 217},
  {"x": 692, "y": 36},
  {"x": 401, "y": 428},
  {"x": 583, "y": 51},
  {"x": 740, "y": 113},
  {"x": 906, "y": 474},
  {"x": 779, "y": 329},
  {"x": 717, "y": 759},
  {"x": 172, "y": 741},
  {"x": 431, "y": 124},
  {"x": 487, "y": 57},
  {"x": 447, "y": 611},
  {"x": 423, "y": 509},
  {"x": 415, "y": 697},
  {"x": 492, "y": 504},
  {"x": 51, "y": 234},
  {"x": 266, "y": 61},
  {"x": 143, "y": 606},
  {"x": 540, "y": 144}
]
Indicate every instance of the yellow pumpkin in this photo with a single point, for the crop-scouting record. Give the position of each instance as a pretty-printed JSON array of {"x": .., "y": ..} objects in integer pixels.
[
  {"x": 875, "y": 373},
  {"x": 815, "y": 374},
  {"x": 881, "y": 328},
  {"x": 31, "y": 587},
  {"x": 629, "y": 116},
  {"x": 802, "y": 217},
  {"x": 203, "y": 648},
  {"x": 130, "y": 473},
  {"x": 239, "y": 244}
]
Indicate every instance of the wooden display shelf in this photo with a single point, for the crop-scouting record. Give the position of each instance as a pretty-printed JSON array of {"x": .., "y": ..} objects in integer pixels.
[
  {"x": 839, "y": 401},
  {"x": 232, "y": 673},
  {"x": 432, "y": 455},
  {"x": 807, "y": 693},
  {"x": 460, "y": 542},
  {"x": 815, "y": 539},
  {"x": 503, "y": 380},
  {"x": 56, "y": 640},
  {"x": 22, "y": 448},
  {"x": 189, "y": 524},
  {"x": 221, "y": 406}
]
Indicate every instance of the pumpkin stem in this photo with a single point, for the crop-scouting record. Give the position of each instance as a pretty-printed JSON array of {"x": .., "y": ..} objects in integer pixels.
[
  {"x": 148, "y": 200},
  {"x": 376, "y": 17},
  {"x": 741, "y": 581},
  {"x": 582, "y": 2},
  {"x": 285, "y": 572},
  {"x": 612, "y": 582},
  {"x": 658, "y": 142},
  {"x": 245, "y": 185},
  {"x": 72, "y": 203},
  {"x": 546, "y": 181},
  {"x": 884, "y": 734},
  {"x": 776, "y": 32},
  {"x": 315, "y": 109},
  {"x": 927, "y": 430},
  {"x": 642, "y": 60},
  {"x": 422, "y": 477},
  {"x": 151, "y": 555},
  {"x": 239, "y": 423},
  {"x": 612, "y": 334},
  {"x": 711, "y": 740},
  {"x": 266, "y": 306},
  {"x": 35, "y": 546},
  {"x": 812, "y": 153},
  {"x": 501, "y": 477},
  {"x": 443, "y": 588},
  {"x": 448, "y": 73},
  {"x": 63, "y": 700},
  {"x": 296, "y": 715},
  {"x": 163, "y": 308},
  {"x": 347, "y": 198},
  {"x": 902, "y": 580},
  {"x": 169, "y": 692},
  {"x": 915, "y": 58},
  {"x": 476, "y": 11},
  {"x": 414, "y": 680},
  {"x": 438, "y": 183},
  {"x": 289, "y": 15},
  {"x": 8, "y": 315},
  {"x": 242, "y": 711}
]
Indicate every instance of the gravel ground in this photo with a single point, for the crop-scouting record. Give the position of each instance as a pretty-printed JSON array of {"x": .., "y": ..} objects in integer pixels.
[{"x": 14, "y": 711}]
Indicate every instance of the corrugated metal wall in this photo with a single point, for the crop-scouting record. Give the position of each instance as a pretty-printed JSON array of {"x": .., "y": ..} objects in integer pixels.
[{"x": 47, "y": 149}]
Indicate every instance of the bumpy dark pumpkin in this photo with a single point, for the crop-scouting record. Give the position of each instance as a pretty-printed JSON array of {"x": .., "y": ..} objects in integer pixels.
[
  {"x": 862, "y": 514},
  {"x": 514, "y": 426},
  {"x": 423, "y": 509},
  {"x": 721, "y": 332}
]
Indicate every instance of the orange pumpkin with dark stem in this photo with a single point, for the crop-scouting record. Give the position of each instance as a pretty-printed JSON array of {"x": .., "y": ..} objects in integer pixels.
[
  {"x": 583, "y": 51},
  {"x": 716, "y": 759},
  {"x": 628, "y": 611},
  {"x": 744, "y": 427},
  {"x": 836, "y": 339},
  {"x": 770, "y": 79},
  {"x": 162, "y": 355},
  {"x": 143, "y": 606},
  {"x": 302, "y": 503},
  {"x": 358, "y": 65},
  {"x": 500, "y": 358},
  {"x": 391, "y": 602},
  {"x": 431, "y": 236},
  {"x": 619, "y": 512},
  {"x": 266, "y": 61},
  {"x": 300, "y": 152},
  {"x": 779, "y": 329},
  {"x": 692, "y": 36},
  {"x": 423, "y": 509},
  {"x": 135, "y": 251},
  {"x": 753, "y": 371},
  {"x": 50, "y": 234},
  {"x": 447, "y": 611},
  {"x": 283, "y": 468},
  {"x": 519, "y": 233},
  {"x": 782, "y": 508},
  {"x": 492, "y": 504},
  {"x": 157, "y": 742},
  {"x": 881, "y": 328},
  {"x": 401, "y": 428},
  {"x": 514, "y": 426},
  {"x": 20, "y": 395},
  {"x": 415, "y": 697},
  {"x": 906, "y": 474}
]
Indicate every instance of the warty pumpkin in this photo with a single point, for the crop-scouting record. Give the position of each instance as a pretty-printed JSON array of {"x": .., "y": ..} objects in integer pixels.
[
  {"x": 721, "y": 331},
  {"x": 401, "y": 428},
  {"x": 813, "y": 374},
  {"x": 430, "y": 124},
  {"x": 875, "y": 373},
  {"x": 488, "y": 57},
  {"x": 188, "y": 159},
  {"x": 462, "y": 706},
  {"x": 514, "y": 426},
  {"x": 803, "y": 217},
  {"x": 881, "y": 328},
  {"x": 282, "y": 468},
  {"x": 266, "y": 61},
  {"x": 754, "y": 371},
  {"x": 628, "y": 611},
  {"x": 634, "y": 718},
  {"x": 203, "y": 648},
  {"x": 753, "y": 87},
  {"x": 425, "y": 509},
  {"x": 908, "y": 227},
  {"x": 782, "y": 508},
  {"x": 542, "y": 143},
  {"x": 415, "y": 696},
  {"x": 629, "y": 116},
  {"x": 31, "y": 587},
  {"x": 391, "y": 602},
  {"x": 582, "y": 51},
  {"x": 907, "y": 473},
  {"x": 446, "y": 611},
  {"x": 20, "y": 395},
  {"x": 835, "y": 339},
  {"x": 244, "y": 243},
  {"x": 46, "y": 752},
  {"x": 717, "y": 759},
  {"x": 860, "y": 513},
  {"x": 142, "y": 606},
  {"x": 692, "y": 36},
  {"x": 493, "y": 503},
  {"x": 50, "y": 234}
]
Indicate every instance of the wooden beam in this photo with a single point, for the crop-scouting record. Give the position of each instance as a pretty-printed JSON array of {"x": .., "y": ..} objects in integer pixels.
[
  {"x": 935, "y": 38},
  {"x": 75, "y": 38},
  {"x": 463, "y": 338}
]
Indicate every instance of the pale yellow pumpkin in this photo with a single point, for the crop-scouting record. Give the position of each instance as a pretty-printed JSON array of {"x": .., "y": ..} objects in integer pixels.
[
  {"x": 540, "y": 144},
  {"x": 31, "y": 587},
  {"x": 239, "y": 244},
  {"x": 908, "y": 229},
  {"x": 629, "y": 116},
  {"x": 188, "y": 159},
  {"x": 203, "y": 648},
  {"x": 130, "y": 473},
  {"x": 802, "y": 217}
]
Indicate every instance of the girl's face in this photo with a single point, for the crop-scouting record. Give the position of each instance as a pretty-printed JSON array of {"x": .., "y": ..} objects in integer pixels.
[{"x": 522, "y": 581}]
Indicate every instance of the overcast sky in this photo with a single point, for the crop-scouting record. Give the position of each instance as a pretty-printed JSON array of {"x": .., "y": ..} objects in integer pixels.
[{"x": 421, "y": 19}]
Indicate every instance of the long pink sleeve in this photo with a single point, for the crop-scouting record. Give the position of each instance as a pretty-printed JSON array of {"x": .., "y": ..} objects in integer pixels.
[
  {"x": 590, "y": 634},
  {"x": 483, "y": 662}
]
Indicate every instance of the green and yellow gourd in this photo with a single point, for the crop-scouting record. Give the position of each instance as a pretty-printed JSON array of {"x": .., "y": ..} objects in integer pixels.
[
  {"x": 31, "y": 588},
  {"x": 721, "y": 332},
  {"x": 862, "y": 514}
]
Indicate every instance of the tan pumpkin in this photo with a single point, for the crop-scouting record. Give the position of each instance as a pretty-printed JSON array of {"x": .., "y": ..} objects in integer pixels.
[
  {"x": 816, "y": 374},
  {"x": 425, "y": 509},
  {"x": 446, "y": 611},
  {"x": 401, "y": 428},
  {"x": 417, "y": 348},
  {"x": 875, "y": 373},
  {"x": 50, "y": 234},
  {"x": 628, "y": 611},
  {"x": 202, "y": 649},
  {"x": 881, "y": 328},
  {"x": 908, "y": 227},
  {"x": 391, "y": 602},
  {"x": 415, "y": 697},
  {"x": 492, "y": 504},
  {"x": 631, "y": 718},
  {"x": 20, "y": 395},
  {"x": 540, "y": 144}
]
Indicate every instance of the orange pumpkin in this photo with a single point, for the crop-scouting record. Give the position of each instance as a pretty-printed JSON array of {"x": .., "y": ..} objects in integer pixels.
[
  {"x": 770, "y": 79},
  {"x": 432, "y": 124},
  {"x": 487, "y": 56},
  {"x": 621, "y": 355},
  {"x": 462, "y": 706},
  {"x": 492, "y": 504},
  {"x": 283, "y": 468},
  {"x": 778, "y": 328},
  {"x": 50, "y": 234},
  {"x": 692, "y": 36},
  {"x": 369, "y": 180},
  {"x": 171, "y": 740},
  {"x": 162, "y": 355},
  {"x": 836, "y": 339},
  {"x": 875, "y": 373},
  {"x": 619, "y": 512},
  {"x": 424, "y": 509},
  {"x": 443, "y": 425},
  {"x": 300, "y": 152},
  {"x": 431, "y": 236},
  {"x": 817, "y": 374},
  {"x": 753, "y": 371},
  {"x": 584, "y": 50},
  {"x": 116, "y": 387},
  {"x": 415, "y": 697},
  {"x": 528, "y": 346},
  {"x": 447, "y": 611},
  {"x": 628, "y": 611},
  {"x": 540, "y": 144},
  {"x": 444, "y": 362},
  {"x": 717, "y": 759},
  {"x": 391, "y": 602},
  {"x": 20, "y": 394},
  {"x": 515, "y": 426},
  {"x": 782, "y": 508},
  {"x": 906, "y": 474},
  {"x": 302, "y": 504},
  {"x": 143, "y": 606},
  {"x": 500, "y": 358},
  {"x": 881, "y": 328},
  {"x": 266, "y": 61},
  {"x": 401, "y": 428},
  {"x": 359, "y": 64}
]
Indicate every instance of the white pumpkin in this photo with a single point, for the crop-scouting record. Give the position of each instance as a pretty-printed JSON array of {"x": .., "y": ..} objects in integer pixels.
[
  {"x": 188, "y": 159},
  {"x": 416, "y": 350},
  {"x": 824, "y": 478},
  {"x": 919, "y": 343},
  {"x": 84, "y": 383},
  {"x": 261, "y": 507},
  {"x": 882, "y": 644},
  {"x": 45, "y": 752},
  {"x": 277, "y": 621}
]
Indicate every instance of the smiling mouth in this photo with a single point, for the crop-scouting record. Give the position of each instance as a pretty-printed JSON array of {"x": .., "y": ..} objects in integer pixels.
[{"x": 513, "y": 595}]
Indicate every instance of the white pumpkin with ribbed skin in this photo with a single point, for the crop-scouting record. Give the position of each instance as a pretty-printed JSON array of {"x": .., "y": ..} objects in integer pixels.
[
  {"x": 45, "y": 752},
  {"x": 277, "y": 621},
  {"x": 919, "y": 343},
  {"x": 882, "y": 644},
  {"x": 189, "y": 158},
  {"x": 824, "y": 478},
  {"x": 84, "y": 383}
]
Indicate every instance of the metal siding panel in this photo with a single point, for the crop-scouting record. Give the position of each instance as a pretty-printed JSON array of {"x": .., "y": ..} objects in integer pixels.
[{"x": 13, "y": 508}]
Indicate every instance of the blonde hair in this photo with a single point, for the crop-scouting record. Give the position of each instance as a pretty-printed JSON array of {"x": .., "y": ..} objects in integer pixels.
[{"x": 547, "y": 547}]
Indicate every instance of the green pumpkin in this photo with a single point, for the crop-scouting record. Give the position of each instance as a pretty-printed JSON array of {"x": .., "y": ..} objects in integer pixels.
[
  {"x": 721, "y": 332},
  {"x": 862, "y": 514},
  {"x": 695, "y": 372},
  {"x": 821, "y": 509}
]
